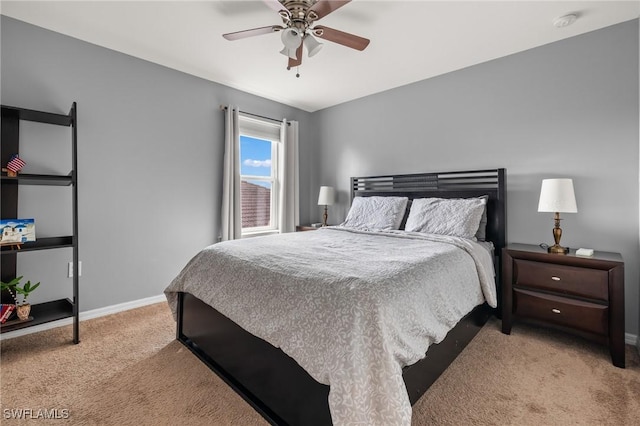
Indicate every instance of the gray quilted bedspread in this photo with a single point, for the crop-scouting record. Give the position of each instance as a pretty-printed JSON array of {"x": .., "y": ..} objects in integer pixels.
[{"x": 351, "y": 307}]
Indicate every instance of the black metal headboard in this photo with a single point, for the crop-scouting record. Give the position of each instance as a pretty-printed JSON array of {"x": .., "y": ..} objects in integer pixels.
[{"x": 463, "y": 184}]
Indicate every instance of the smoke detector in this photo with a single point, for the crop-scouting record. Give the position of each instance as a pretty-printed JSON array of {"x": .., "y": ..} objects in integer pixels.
[{"x": 565, "y": 21}]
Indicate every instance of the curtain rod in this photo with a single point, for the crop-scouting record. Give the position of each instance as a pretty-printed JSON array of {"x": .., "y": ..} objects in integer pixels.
[{"x": 224, "y": 108}]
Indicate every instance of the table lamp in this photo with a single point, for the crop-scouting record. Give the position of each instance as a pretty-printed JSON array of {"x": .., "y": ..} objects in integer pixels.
[
  {"x": 557, "y": 196},
  {"x": 326, "y": 198}
]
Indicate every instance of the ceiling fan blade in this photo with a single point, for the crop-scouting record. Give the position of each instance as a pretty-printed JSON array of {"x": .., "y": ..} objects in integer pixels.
[
  {"x": 340, "y": 37},
  {"x": 274, "y": 5},
  {"x": 324, "y": 7},
  {"x": 252, "y": 32},
  {"x": 296, "y": 62}
]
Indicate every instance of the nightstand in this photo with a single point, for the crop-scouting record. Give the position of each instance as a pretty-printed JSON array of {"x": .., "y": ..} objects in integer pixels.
[
  {"x": 301, "y": 228},
  {"x": 582, "y": 295}
]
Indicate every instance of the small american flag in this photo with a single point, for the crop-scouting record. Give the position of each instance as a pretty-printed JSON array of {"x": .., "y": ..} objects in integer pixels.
[{"x": 15, "y": 164}]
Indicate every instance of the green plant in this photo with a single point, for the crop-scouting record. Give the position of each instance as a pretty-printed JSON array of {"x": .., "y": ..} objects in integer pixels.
[
  {"x": 26, "y": 290},
  {"x": 14, "y": 288},
  {"x": 10, "y": 287}
]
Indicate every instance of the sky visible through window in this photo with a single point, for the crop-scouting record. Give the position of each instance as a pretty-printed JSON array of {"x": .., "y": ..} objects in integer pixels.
[
  {"x": 255, "y": 194},
  {"x": 255, "y": 156}
]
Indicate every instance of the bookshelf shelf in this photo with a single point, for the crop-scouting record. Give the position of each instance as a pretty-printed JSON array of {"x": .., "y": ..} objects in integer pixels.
[
  {"x": 42, "y": 313},
  {"x": 10, "y": 144}
]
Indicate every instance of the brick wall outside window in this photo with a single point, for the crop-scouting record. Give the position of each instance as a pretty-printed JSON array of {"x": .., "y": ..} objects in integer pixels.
[{"x": 256, "y": 205}]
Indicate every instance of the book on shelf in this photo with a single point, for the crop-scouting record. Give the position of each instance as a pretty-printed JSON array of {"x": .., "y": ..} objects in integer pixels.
[{"x": 5, "y": 312}]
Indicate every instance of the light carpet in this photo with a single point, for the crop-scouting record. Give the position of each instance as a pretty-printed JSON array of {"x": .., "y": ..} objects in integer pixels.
[{"x": 129, "y": 370}]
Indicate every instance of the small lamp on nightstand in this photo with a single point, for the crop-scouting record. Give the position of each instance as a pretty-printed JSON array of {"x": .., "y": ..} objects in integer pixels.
[
  {"x": 326, "y": 198},
  {"x": 557, "y": 196}
]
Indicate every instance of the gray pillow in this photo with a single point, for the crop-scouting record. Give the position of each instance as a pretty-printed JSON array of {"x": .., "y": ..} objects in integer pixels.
[
  {"x": 481, "y": 235},
  {"x": 380, "y": 213},
  {"x": 455, "y": 217}
]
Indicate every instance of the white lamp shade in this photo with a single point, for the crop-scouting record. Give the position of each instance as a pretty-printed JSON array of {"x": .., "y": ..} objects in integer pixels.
[
  {"x": 313, "y": 46},
  {"x": 327, "y": 196},
  {"x": 557, "y": 195},
  {"x": 289, "y": 52},
  {"x": 291, "y": 38}
]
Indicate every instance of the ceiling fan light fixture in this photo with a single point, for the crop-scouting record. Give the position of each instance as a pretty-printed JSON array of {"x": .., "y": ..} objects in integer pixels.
[
  {"x": 289, "y": 52},
  {"x": 313, "y": 46},
  {"x": 297, "y": 31},
  {"x": 291, "y": 38}
]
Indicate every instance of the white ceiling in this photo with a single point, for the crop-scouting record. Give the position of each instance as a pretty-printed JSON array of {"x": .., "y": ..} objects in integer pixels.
[{"x": 410, "y": 40}]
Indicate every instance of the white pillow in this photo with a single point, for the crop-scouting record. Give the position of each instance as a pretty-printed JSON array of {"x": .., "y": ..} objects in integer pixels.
[
  {"x": 455, "y": 217},
  {"x": 481, "y": 235},
  {"x": 382, "y": 213}
]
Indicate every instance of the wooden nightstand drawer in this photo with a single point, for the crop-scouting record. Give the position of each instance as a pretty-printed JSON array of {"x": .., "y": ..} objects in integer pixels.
[
  {"x": 571, "y": 280},
  {"x": 584, "y": 295},
  {"x": 577, "y": 314}
]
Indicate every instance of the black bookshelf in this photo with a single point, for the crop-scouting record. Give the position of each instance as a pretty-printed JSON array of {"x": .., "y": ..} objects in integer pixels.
[
  {"x": 39, "y": 116},
  {"x": 39, "y": 244},
  {"x": 33, "y": 179},
  {"x": 42, "y": 313},
  {"x": 10, "y": 143}
]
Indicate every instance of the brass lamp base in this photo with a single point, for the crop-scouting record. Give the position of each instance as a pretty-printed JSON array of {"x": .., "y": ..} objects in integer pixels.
[
  {"x": 557, "y": 234},
  {"x": 557, "y": 249}
]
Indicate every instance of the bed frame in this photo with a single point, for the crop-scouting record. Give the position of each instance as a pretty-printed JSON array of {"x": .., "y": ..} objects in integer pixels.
[{"x": 272, "y": 382}]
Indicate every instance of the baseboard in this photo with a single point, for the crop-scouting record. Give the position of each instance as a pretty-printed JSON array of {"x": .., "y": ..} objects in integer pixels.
[
  {"x": 629, "y": 339},
  {"x": 94, "y": 313}
]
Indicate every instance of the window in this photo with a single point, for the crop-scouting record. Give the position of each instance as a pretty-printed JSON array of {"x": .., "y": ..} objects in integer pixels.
[{"x": 259, "y": 184}]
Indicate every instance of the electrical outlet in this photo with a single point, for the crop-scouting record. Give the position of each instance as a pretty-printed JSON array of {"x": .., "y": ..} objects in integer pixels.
[{"x": 70, "y": 271}]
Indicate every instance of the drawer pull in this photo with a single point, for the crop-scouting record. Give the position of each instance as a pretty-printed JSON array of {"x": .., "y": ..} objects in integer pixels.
[
  {"x": 555, "y": 278},
  {"x": 555, "y": 311}
]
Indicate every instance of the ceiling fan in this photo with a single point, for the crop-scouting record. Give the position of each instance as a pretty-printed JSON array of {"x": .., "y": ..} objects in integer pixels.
[{"x": 298, "y": 17}]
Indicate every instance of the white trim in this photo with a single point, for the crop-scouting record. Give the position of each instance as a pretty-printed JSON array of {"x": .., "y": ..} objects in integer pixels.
[
  {"x": 629, "y": 339},
  {"x": 259, "y": 233},
  {"x": 94, "y": 313},
  {"x": 259, "y": 128},
  {"x": 273, "y": 179}
]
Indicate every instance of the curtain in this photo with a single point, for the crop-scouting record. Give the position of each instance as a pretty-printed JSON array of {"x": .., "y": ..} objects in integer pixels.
[
  {"x": 288, "y": 205},
  {"x": 231, "y": 228}
]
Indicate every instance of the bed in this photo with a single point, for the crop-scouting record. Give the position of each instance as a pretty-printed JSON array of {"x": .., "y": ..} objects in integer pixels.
[{"x": 365, "y": 316}]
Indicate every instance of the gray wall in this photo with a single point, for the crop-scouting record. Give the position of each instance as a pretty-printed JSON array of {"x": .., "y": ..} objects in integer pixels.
[
  {"x": 150, "y": 162},
  {"x": 151, "y": 151},
  {"x": 567, "y": 109}
]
